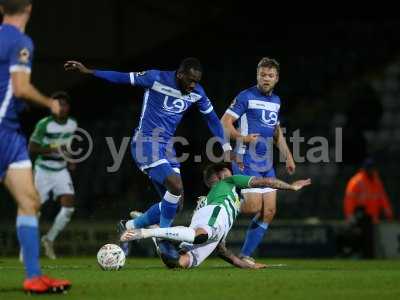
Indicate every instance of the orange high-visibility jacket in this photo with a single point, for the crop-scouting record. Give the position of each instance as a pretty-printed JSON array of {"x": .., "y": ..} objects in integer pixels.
[{"x": 369, "y": 193}]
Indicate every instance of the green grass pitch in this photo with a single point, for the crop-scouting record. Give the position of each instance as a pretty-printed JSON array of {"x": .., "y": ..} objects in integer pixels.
[{"x": 148, "y": 279}]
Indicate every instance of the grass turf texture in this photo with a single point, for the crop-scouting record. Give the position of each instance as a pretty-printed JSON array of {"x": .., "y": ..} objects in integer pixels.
[{"x": 148, "y": 279}]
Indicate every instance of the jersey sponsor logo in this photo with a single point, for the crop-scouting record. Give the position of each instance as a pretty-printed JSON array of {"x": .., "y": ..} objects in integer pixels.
[
  {"x": 174, "y": 105},
  {"x": 269, "y": 111},
  {"x": 163, "y": 89},
  {"x": 166, "y": 90},
  {"x": 271, "y": 119},
  {"x": 24, "y": 55},
  {"x": 257, "y": 104},
  {"x": 140, "y": 73},
  {"x": 171, "y": 92}
]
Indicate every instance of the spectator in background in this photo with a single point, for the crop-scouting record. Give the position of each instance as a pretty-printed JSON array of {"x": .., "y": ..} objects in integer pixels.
[{"x": 365, "y": 191}]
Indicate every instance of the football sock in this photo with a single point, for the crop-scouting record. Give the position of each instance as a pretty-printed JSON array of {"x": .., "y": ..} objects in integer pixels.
[
  {"x": 150, "y": 217},
  {"x": 62, "y": 219},
  {"x": 254, "y": 236},
  {"x": 169, "y": 206},
  {"x": 178, "y": 233},
  {"x": 28, "y": 236}
]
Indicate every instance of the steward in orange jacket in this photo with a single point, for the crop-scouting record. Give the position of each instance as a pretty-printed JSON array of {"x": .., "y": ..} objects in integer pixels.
[{"x": 365, "y": 190}]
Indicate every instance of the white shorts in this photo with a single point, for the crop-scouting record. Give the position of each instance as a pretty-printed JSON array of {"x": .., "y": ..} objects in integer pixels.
[
  {"x": 57, "y": 182},
  {"x": 214, "y": 220},
  {"x": 258, "y": 190}
]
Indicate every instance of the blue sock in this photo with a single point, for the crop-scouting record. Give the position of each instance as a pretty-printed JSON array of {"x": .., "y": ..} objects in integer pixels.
[
  {"x": 169, "y": 206},
  {"x": 254, "y": 236},
  {"x": 28, "y": 236},
  {"x": 150, "y": 217}
]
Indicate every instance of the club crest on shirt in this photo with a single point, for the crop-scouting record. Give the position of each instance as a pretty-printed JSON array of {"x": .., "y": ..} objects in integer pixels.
[
  {"x": 140, "y": 73},
  {"x": 24, "y": 55}
]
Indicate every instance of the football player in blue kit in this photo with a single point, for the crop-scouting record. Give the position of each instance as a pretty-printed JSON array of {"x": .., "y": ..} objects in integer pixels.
[
  {"x": 16, "y": 50},
  {"x": 168, "y": 95},
  {"x": 256, "y": 110}
]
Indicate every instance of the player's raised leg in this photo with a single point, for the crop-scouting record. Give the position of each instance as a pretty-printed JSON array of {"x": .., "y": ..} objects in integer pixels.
[
  {"x": 178, "y": 233},
  {"x": 170, "y": 187},
  {"x": 164, "y": 212},
  {"x": 168, "y": 254}
]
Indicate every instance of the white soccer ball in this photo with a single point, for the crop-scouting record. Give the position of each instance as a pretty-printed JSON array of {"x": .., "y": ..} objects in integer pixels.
[{"x": 111, "y": 257}]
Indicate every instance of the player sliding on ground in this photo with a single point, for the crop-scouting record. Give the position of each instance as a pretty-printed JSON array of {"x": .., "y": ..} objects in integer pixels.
[{"x": 211, "y": 221}]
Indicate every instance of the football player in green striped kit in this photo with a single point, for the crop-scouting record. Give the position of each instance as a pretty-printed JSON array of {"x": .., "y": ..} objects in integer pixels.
[
  {"x": 212, "y": 219},
  {"x": 51, "y": 135}
]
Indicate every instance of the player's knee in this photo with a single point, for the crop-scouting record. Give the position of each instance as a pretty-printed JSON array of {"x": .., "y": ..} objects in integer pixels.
[
  {"x": 171, "y": 261},
  {"x": 176, "y": 189},
  {"x": 269, "y": 214},
  {"x": 168, "y": 254},
  {"x": 29, "y": 203},
  {"x": 67, "y": 201},
  {"x": 201, "y": 238},
  {"x": 251, "y": 205},
  {"x": 174, "y": 185}
]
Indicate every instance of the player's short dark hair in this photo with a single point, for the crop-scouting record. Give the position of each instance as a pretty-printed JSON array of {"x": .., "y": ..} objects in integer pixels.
[
  {"x": 61, "y": 95},
  {"x": 267, "y": 62},
  {"x": 190, "y": 63},
  {"x": 13, "y": 7},
  {"x": 213, "y": 169}
]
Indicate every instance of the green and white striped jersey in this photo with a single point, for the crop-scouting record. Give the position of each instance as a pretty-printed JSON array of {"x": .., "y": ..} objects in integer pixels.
[
  {"x": 49, "y": 133},
  {"x": 224, "y": 194}
]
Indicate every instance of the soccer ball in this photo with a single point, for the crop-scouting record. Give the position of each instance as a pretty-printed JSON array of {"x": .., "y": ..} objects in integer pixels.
[{"x": 111, "y": 257}]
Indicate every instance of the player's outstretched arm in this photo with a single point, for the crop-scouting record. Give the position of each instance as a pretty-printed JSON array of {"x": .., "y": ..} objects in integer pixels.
[
  {"x": 22, "y": 88},
  {"x": 231, "y": 258},
  {"x": 278, "y": 184},
  {"x": 112, "y": 76}
]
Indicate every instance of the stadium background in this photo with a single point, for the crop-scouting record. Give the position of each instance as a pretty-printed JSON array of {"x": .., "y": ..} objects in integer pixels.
[{"x": 336, "y": 72}]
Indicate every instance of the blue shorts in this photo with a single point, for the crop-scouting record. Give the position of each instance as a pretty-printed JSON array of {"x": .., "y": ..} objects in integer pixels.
[
  {"x": 157, "y": 160},
  {"x": 251, "y": 172},
  {"x": 13, "y": 151}
]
